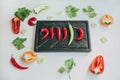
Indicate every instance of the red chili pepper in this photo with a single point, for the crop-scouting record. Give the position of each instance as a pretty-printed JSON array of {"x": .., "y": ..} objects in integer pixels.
[
  {"x": 65, "y": 33},
  {"x": 14, "y": 62},
  {"x": 32, "y": 21},
  {"x": 46, "y": 31},
  {"x": 81, "y": 34},
  {"x": 16, "y": 25},
  {"x": 58, "y": 33},
  {"x": 97, "y": 65},
  {"x": 52, "y": 33}
]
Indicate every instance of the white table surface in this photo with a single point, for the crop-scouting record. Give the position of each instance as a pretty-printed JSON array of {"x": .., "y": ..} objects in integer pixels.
[{"x": 48, "y": 70}]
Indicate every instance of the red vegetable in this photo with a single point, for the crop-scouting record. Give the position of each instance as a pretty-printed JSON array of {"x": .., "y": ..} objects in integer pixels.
[
  {"x": 97, "y": 65},
  {"x": 16, "y": 25},
  {"x": 32, "y": 21},
  {"x": 65, "y": 33},
  {"x": 52, "y": 33},
  {"x": 58, "y": 33},
  {"x": 46, "y": 31},
  {"x": 81, "y": 34},
  {"x": 14, "y": 62}
]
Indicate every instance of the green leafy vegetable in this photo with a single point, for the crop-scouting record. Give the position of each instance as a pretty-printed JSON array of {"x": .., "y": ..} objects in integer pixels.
[
  {"x": 90, "y": 12},
  {"x": 18, "y": 43},
  {"x": 22, "y": 13},
  {"x": 68, "y": 66},
  {"x": 71, "y": 11}
]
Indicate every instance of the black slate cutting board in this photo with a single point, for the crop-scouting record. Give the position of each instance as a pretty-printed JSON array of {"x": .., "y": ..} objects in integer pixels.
[{"x": 55, "y": 45}]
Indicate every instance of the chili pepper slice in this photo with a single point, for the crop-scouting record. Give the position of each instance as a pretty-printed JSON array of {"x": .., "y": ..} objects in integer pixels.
[
  {"x": 46, "y": 31},
  {"x": 97, "y": 65},
  {"x": 65, "y": 33},
  {"x": 32, "y": 21},
  {"x": 58, "y": 33},
  {"x": 14, "y": 62},
  {"x": 52, "y": 33},
  {"x": 16, "y": 25},
  {"x": 71, "y": 33},
  {"x": 81, "y": 34}
]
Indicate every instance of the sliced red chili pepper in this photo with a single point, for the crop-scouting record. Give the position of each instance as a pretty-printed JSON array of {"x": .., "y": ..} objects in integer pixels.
[
  {"x": 65, "y": 33},
  {"x": 46, "y": 31},
  {"x": 32, "y": 21},
  {"x": 81, "y": 34},
  {"x": 16, "y": 25},
  {"x": 97, "y": 65},
  {"x": 14, "y": 62},
  {"x": 58, "y": 33},
  {"x": 52, "y": 33}
]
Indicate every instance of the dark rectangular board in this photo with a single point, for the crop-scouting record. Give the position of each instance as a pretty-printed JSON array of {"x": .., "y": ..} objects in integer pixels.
[{"x": 55, "y": 45}]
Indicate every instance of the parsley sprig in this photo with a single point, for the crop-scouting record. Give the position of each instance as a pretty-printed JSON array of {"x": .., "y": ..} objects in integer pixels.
[
  {"x": 22, "y": 13},
  {"x": 68, "y": 66},
  {"x": 71, "y": 11}
]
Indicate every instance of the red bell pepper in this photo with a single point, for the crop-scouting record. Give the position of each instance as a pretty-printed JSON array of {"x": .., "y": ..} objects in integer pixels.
[
  {"x": 46, "y": 31},
  {"x": 97, "y": 65},
  {"x": 52, "y": 33},
  {"x": 58, "y": 33},
  {"x": 81, "y": 34},
  {"x": 65, "y": 33},
  {"x": 16, "y": 25}
]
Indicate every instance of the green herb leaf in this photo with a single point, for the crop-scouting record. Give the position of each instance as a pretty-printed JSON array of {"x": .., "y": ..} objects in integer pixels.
[
  {"x": 90, "y": 12},
  {"x": 68, "y": 66},
  {"x": 18, "y": 43},
  {"x": 92, "y": 15},
  {"x": 90, "y": 9},
  {"x": 22, "y": 13},
  {"x": 71, "y": 11},
  {"x": 61, "y": 70}
]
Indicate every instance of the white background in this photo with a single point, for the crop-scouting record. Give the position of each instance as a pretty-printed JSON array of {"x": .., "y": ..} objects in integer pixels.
[{"x": 48, "y": 70}]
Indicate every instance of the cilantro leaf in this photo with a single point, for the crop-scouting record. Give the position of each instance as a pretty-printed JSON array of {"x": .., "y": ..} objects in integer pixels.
[
  {"x": 61, "y": 70},
  {"x": 71, "y": 11},
  {"x": 92, "y": 15},
  {"x": 68, "y": 66},
  {"x": 22, "y": 13},
  {"x": 90, "y": 12}
]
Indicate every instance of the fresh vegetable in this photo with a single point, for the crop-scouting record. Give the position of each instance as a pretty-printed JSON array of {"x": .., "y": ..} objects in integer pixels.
[
  {"x": 16, "y": 25},
  {"x": 104, "y": 39},
  {"x": 32, "y": 21},
  {"x": 40, "y": 8},
  {"x": 107, "y": 20},
  {"x": 97, "y": 65},
  {"x": 65, "y": 33},
  {"x": 90, "y": 12},
  {"x": 52, "y": 33},
  {"x": 81, "y": 34},
  {"x": 18, "y": 43},
  {"x": 29, "y": 56},
  {"x": 46, "y": 31},
  {"x": 14, "y": 63},
  {"x": 22, "y": 13},
  {"x": 71, "y": 33},
  {"x": 68, "y": 66},
  {"x": 58, "y": 33},
  {"x": 71, "y": 11}
]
